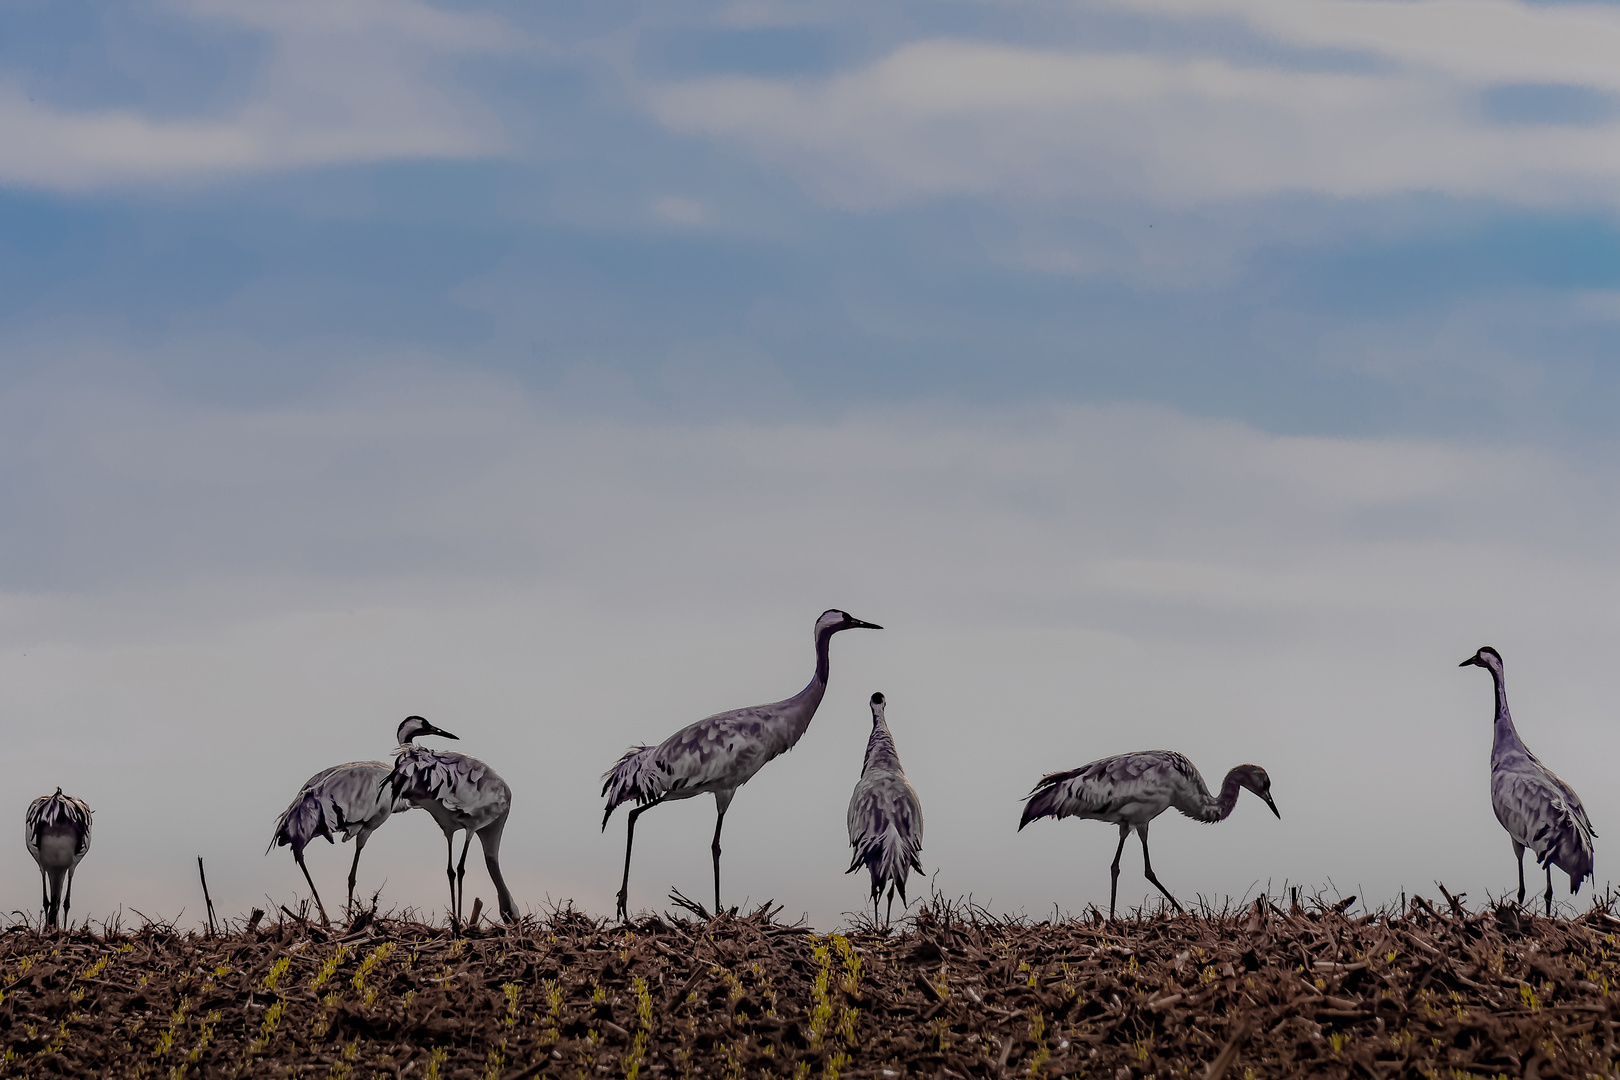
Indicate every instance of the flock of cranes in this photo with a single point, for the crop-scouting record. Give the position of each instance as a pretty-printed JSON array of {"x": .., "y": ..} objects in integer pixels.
[{"x": 721, "y": 753}]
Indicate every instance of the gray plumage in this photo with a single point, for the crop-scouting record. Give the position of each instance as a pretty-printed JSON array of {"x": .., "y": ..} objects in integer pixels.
[
  {"x": 885, "y": 818},
  {"x": 461, "y": 793},
  {"x": 1131, "y": 790},
  {"x": 57, "y": 832},
  {"x": 346, "y": 799},
  {"x": 1538, "y": 810},
  {"x": 718, "y": 754}
]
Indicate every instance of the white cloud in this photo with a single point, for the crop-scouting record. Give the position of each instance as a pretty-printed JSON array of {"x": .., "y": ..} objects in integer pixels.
[
  {"x": 956, "y": 116},
  {"x": 347, "y": 81},
  {"x": 245, "y": 597}
]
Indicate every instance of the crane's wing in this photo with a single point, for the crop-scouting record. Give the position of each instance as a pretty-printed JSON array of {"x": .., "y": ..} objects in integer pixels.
[
  {"x": 1108, "y": 786},
  {"x": 724, "y": 750}
]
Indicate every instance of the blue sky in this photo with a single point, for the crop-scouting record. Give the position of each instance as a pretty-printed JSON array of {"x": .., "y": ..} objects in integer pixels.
[{"x": 1253, "y": 340}]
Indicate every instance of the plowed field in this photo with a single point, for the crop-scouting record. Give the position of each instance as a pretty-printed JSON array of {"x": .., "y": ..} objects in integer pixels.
[{"x": 956, "y": 994}]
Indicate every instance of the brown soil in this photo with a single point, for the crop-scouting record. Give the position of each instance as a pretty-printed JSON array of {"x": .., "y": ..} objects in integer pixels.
[{"x": 958, "y": 995}]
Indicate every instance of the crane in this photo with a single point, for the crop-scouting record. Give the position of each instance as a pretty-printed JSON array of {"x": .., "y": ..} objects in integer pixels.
[
  {"x": 345, "y": 799},
  {"x": 718, "y": 754},
  {"x": 885, "y": 818},
  {"x": 1131, "y": 790},
  {"x": 58, "y": 837},
  {"x": 1538, "y": 810},
  {"x": 460, "y": 793}
]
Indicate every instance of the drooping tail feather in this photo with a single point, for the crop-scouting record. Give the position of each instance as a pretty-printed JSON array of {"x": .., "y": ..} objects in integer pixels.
[
  {"x": 1048, "y": 798},
  {"x": 1569, "y": 848},
  {"x": 301, "y": 822},
  {"x": 633, "y": 777},
  {"x": 889, "y": 857}
]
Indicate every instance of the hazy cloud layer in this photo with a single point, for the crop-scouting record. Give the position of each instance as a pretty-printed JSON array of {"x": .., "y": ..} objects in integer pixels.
[
  {"x": 1395, "y": 107},
  {"x": 245, "y": 597},
  {"x": 344, "y": 82}
]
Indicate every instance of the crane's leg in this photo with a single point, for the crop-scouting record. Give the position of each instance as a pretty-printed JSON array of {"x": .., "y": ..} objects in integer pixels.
[
  {"x": 490, "y": 838},
  {"x": 461, "y": 874},
  {"x": 450, "y": 871},
  {"x": 1113, "y": 871},
  {"x": 1549, "y": 890},
  {"x": 67, "y": 899},
  {"x": 888, "y": 914},
  {"x": 629, "y": 842},
  {"x": 354, "y": 867},
  {"x": 722, "y": 800},
  {"x": 1147, "y": 868},
  {"x": 299, "y": 856},
  {"x": 54, "y": 904},
  {"x": 1518, "y": 853},
  {"x": 44, "y": 896}
]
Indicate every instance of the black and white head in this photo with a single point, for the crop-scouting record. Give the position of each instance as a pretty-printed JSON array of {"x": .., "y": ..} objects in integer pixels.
[
  {"x": 1487, "y": 658},
  {"x": 412, "y": 726},
  {"x": 833, "y": 620},
  {"x": 1258, "y": 781},
  {"x": 877, "y": 709}
]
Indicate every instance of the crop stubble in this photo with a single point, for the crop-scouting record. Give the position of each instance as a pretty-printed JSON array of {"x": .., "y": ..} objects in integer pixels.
[{"x": 957, "y": 995}]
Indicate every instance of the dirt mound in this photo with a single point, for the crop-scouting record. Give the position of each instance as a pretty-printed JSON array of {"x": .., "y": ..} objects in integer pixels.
[{"x": 958, "y": 994}]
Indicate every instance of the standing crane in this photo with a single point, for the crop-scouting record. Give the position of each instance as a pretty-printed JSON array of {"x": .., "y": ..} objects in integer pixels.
[
  {"x": 885, "y": 818},
  {"x": 1131, "y": 790},
  {"x": 345, "y": 799},
  {"x": 58, "y": 837},
  {"x": 461, "y": 793},
  {"x": 1538, "y": 810},
  {"x": 719, "y": 754}
]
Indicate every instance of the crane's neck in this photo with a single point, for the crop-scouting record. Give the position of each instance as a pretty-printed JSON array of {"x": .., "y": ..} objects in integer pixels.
[
  {"x": 803, "y": 705},
  {"x": 1505, "y": 738},
  {"x": 1215, "y": 807},
  {"x": 880, "y": 752}
]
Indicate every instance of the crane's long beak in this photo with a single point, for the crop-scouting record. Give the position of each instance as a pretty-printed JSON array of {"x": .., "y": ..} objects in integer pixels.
[
  {"x": 1472, "y": 661},
  {"x": 1273, "y": 806},
  {"x": 441, "y": 733},
  {"x": 857, "y": 623}
]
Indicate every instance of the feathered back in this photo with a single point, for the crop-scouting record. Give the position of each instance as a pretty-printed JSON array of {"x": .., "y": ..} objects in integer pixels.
[
  {"x": 50, "y": 811},
  {"x": 341, "y": 799},
  {"x": 457, "y": 782}
]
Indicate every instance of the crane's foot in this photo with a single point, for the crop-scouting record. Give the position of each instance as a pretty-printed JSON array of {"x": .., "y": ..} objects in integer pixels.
[{"x": 624, "y": 905}]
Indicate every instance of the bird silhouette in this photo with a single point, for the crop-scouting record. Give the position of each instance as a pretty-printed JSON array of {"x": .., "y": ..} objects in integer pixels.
[
  {"x": 885, "y": 818},
  {"x": 58, "y": 836},
  {"x": 345, "y": 799},
  {"x": 461, "y": 793},
  {"x": 1538, "y": 810},
  {"x": 718, "y": 754},
  {"x": 1131, "y": 790}
]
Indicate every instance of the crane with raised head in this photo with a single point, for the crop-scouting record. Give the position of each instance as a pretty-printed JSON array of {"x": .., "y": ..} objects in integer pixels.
[
  {"x": 1130, "y": 790},
  {"x": 885, "y": 818},
  {"x": 1538, "y": 810},
  {"x": 718, "y": 754}
]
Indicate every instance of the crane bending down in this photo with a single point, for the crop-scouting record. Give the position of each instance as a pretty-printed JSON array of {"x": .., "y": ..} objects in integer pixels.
[
  {"x": 885, "y": 817},
  {"x": 58, "y": 836},
  {"x": 345, "y": 799},
  {"x": 1538, "y": 810},
  {"x": 460, "y": 792},
  {"x": 1131, "y": 790},
  {"x": 719, "y": 754}
]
